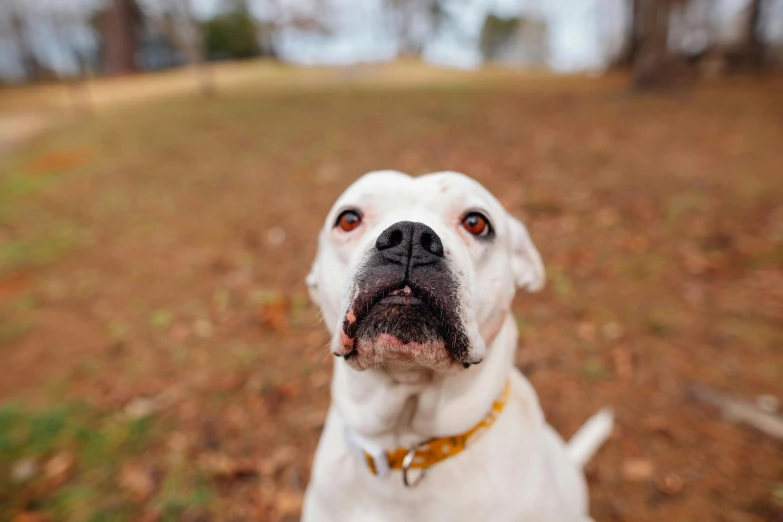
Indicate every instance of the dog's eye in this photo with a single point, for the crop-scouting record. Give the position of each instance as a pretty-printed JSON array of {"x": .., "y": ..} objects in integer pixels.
[
  {"x": 477, "y": 224},
  {"x": 349, "y": 220}
]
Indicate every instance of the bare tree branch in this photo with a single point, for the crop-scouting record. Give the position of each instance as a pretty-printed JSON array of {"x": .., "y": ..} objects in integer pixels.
[
  {"x": 177, "y": 23},
  {"x": 739, "y": 411}
]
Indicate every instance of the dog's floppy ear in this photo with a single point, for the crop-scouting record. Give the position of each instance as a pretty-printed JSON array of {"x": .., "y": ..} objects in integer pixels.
[{"x": 526, "y": 262}]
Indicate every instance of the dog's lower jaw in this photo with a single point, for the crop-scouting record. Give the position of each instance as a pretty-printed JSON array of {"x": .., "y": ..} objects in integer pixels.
[
  {"x": 447, "y": 402},
  {"x": 388, "y": 355},
  {"x": 385, "y": 351}
]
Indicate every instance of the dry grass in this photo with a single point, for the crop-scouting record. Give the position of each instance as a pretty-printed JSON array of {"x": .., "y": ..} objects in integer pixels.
[{"x": 139, "y": 281}]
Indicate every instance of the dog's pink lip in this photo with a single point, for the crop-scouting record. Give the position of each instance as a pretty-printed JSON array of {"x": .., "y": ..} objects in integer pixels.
[
  {"x": 347, "y": 340},
  {"x": 406, "y": 291}
]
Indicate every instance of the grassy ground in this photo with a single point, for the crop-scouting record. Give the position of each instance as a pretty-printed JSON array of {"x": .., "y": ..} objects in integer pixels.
[{"x": 162, "y": 362}]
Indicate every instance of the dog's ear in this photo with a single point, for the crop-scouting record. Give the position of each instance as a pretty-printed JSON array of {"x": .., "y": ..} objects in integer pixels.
[
  {"x": 312, "y": 277},
  {"x": 526, "y": 262},
  {"x": 312, "y": 283}
]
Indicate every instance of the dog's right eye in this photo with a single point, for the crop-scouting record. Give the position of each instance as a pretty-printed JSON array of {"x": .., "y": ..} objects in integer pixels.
[
  {"x": 477, "y": 224},
  {"x": 348, "y": 220}
]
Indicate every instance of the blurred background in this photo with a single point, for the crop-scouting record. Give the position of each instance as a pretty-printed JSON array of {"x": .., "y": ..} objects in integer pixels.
[{"x": 165, "y": 166}]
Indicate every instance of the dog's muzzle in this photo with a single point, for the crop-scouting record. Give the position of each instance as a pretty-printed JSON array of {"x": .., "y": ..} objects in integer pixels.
[{"x": 406, "y": 289}]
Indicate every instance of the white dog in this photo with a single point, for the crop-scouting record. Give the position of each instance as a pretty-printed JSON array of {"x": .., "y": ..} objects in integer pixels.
[{"x": 430, "y": 420}]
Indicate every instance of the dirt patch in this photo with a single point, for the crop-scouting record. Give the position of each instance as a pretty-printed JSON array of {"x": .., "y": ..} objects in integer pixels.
[
  {"x": 60, "y": 342},
  {"x": 59, "y": 161},
  {"x": 17, "y": 128},
  {"x": 14, "y": 284}
]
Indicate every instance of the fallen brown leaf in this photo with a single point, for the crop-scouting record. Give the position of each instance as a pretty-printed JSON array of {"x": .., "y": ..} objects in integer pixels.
[
  {"x": 638, "y": 244},
  {"x": 288, "y": 502},
  {"x": 273, "y": 313},
  {"x": 607, "y": 217},
  {"x": 291, "y": 389},
  {"x": 31, "y": 516},
  {"x": 232, "y": 382},
  {"x": 58, "y": 161},
  {"x": 59, "y": 468},
  {"x": 586, "y": 331},
  {"x": 14, "y": 284},
  {"x": 137, "y": 481},
  {"x": 224, "y": 466},
  {"x": 656, "y": 423},
  {"x": 622, "y": 363},
  {"x": 672, "y": 484},
  {"x": 637, "y": 470},
  {"x": 149, "y": 516},
  {"x": 282, "y": 457}
]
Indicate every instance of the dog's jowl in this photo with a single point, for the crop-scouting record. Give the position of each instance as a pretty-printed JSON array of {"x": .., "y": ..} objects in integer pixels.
[{"x": 430, "y": 420}]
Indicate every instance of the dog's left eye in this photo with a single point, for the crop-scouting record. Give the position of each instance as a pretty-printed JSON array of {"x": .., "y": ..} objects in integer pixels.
[
  {"x": 348, "y": 220},
  {"x": 477, "y": 224}
]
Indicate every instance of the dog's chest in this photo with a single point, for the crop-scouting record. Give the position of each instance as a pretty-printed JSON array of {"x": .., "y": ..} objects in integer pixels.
[{"x": 508, "y": 474}]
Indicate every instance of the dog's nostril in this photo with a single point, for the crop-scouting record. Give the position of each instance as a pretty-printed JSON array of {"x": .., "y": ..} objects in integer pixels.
[
  {"x": 395, "y": 238},
  {"x": 431, "y": 244},
  {"x": 389, "y": 239},
  {"x": 426, "y": 241}
]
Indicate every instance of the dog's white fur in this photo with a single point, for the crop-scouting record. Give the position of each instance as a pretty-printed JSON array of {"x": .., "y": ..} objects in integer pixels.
[{"x": 519, "y": 469}]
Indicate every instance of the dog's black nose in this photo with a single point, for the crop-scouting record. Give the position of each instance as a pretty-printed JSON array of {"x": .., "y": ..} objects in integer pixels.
[{"x": 410, "y": 244}]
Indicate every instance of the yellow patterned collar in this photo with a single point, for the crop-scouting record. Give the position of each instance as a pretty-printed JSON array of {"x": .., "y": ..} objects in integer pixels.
[{"x": 425, "y": 455}]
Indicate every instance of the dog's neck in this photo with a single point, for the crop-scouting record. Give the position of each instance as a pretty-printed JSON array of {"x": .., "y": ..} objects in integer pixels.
[{"x": 396, "y": 409}]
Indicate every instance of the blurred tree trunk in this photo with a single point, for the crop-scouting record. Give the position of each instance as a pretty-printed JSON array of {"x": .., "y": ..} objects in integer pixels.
[
  {"x": 31, "y": 67},
  {"x": 119, "y": 28},
  {"x": 179, "y": 25},
  {"x": 652, "y": 61},
  {"x": 635, "y": 35},
  {"x": 415, "y": 21},
  {"x": 654, "y": 64},
  {"x": 404, "y": 14},
  {"x": 311, "y": 17},
  {"x": 754, "y": 46}
]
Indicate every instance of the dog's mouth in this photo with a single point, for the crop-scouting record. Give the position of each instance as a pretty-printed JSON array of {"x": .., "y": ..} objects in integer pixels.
[
  {"x": 404, "y": 296},
  {"x": 409, "y": 318},
  {"x": 394, "y": 295}
]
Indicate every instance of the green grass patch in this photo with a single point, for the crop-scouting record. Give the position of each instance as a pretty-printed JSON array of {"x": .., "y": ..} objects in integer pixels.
[
  {"x": 38, "y": 251},
  {"x": 595, "y": 370},
  {"x": 561, "y": 282},
  {"x": 34, "y": 233},
  {"x": 94, "y": 445},
  {"x": 160, "y": 319},
  {"x": 178, "y": 497}
]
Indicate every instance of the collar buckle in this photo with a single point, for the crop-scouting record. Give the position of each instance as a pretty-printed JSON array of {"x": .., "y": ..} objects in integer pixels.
[
  {"x": 365, "y": 449},
  {"x": 406, "y": 466}
]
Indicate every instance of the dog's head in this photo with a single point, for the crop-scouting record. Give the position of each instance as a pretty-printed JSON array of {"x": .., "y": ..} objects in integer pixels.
[{"x": 419, "y": 272}]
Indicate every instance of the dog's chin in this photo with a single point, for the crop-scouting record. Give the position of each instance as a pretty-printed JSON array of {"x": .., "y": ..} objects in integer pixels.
[
  {"x": 388, "y": 353},
  {"x": 401, "y": 334}
]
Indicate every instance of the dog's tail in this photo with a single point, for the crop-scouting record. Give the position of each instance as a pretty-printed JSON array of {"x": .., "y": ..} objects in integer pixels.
[{"x": 590, "y": 436}]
